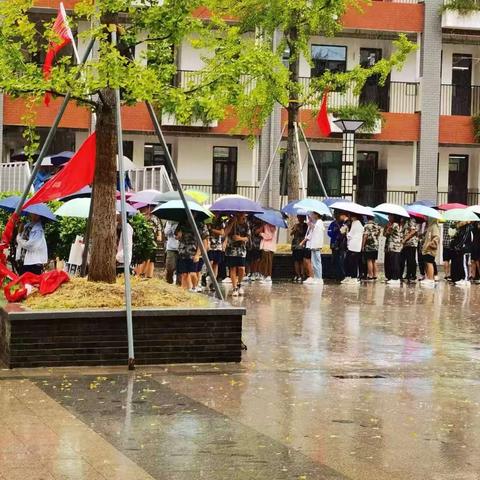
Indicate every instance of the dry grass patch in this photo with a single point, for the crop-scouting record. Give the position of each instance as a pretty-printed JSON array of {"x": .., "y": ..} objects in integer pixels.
[{"x": 80, "y": 293}]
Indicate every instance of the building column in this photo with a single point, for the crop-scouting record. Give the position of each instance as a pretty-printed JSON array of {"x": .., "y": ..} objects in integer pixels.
[{"x": 431, "y": 58}]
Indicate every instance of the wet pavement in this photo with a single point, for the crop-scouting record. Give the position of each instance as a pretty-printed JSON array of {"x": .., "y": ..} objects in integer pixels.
[{"x": 338, "y": 383}]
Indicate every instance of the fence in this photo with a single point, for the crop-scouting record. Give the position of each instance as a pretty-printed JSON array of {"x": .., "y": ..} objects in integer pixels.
[
  {"x": 402, "y": 97},
  {"x": 460, "y": 100},
  {"x": 14, "y": 176},
  {"x": 150, "y": 178}
]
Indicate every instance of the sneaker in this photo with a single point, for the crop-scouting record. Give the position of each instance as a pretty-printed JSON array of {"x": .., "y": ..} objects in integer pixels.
[
  {"x": 227, "y": 280},
  {"x": 428, "y": 283},
  {"x": 309, "y": 281},
  {"x": 199, "y": 289},
  {"x": 393, "y": 283},
  {"x": 235, "y": 292},
  {"x": 266, "y": 280},
  {"x": 241, "y": 291},
  {"x": 462, "y": 284},
  {"x": 349, "y": 281},
  {"x": 318, "y": 281},
  {"x": 435, "y": 278}
]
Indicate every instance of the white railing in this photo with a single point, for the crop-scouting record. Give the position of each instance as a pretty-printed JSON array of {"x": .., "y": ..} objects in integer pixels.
[
  {"x": 14, "y": 176},
  {"x": 150, "y": 178}
]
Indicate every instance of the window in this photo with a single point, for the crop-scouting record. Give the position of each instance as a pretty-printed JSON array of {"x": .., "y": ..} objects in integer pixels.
[
  {"x": 329, "y": 164},
  {"x": 225, "y": 169},
  {"x": 328, "y": 57},
  {"x": 128, "y": 149},
  {"x": 154, "y": 154}
]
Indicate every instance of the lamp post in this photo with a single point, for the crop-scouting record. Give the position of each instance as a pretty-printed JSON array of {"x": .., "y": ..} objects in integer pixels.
[{"x": 349, "y": 158}]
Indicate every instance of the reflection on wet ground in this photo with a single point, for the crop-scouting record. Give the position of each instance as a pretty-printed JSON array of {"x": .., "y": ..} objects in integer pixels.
[{"x": 339, "y": 382}]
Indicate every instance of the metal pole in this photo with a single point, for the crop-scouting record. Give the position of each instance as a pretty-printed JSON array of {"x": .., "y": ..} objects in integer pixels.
[
  {"x": 86, "y": 240},
  {"x": 313, "y": 161},
  {"x": 267, "y": 173},
  {"x": 176, "y": 182},
  {"x": 123, "y": 213},
  {"x": 51, "y": 134},
  {"x": 300, "y": 170}
]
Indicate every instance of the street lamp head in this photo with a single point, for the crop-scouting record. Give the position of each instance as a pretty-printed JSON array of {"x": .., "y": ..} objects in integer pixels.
[{"x": 348, "y": 126}]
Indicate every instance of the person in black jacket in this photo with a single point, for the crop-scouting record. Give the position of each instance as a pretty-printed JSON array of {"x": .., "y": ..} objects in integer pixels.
[{"x": 461, "y": 247}]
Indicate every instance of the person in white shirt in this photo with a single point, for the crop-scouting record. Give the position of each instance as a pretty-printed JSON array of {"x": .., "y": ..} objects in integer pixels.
[
  {"x": 32, "y": 246},
  {"x": 314, "y": 242},
  {"x": 354, "y": 249},
  {"x": 121, "y": 257},
  {"x": 172, "y": 251}
]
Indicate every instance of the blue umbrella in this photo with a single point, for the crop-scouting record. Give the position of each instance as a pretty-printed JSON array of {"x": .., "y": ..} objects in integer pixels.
[
  {"x": 425, "y": 203},
  {"x": 272, "y": 217},
  {"x": 289, "y": 208},
  {"x": 313, "y": 205},
  {"x": 10, "y": 203},
  {"x": 331, "y": 200},
  {"x": 424, "y": 210},
  {"x": 234, "y": 204}
]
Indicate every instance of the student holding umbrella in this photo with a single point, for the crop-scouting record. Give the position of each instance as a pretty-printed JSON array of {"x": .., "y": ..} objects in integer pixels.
[{"x": 32, "y": 246}]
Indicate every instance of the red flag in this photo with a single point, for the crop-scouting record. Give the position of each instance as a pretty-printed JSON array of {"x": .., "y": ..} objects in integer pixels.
[
  {"x": 76, "y": 174},
  {"x": 64, "y": 34},
  {"x": 322, "y": 119}
]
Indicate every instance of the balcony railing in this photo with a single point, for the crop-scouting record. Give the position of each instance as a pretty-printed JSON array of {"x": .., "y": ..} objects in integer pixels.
[
  {"x": 470, "y": 198},
  {"x": 14, "y": 176},
  {"x": 394, "y": 97},
  {"x": 188, "y": 79},
  {"x": 460, "y": 100},
  {"x": 150, "y": 178}
]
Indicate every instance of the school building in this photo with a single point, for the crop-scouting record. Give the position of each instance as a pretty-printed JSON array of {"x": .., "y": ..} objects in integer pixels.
[{"x": 426, "y": 147}]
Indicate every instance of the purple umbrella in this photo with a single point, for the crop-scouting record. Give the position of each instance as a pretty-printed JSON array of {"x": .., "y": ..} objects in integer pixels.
[{"x": 235, "y": 204}]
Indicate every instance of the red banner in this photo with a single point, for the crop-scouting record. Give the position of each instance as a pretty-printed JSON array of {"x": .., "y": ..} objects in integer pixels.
[{"x": 75, "y": 175}]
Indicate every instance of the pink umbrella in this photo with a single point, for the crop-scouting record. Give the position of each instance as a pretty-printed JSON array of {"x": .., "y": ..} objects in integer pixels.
[{"x": 451, "y": 206}]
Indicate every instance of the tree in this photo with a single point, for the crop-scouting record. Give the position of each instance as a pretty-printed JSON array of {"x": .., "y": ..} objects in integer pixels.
[
  {"x": 239, "y": 44},
  {"x": 156, "y": 25}
]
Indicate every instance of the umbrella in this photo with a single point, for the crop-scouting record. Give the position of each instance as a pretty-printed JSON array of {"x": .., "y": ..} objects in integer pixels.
[
  {"x": 289, "y": 209},
  {"x": 312, "y": 205},
  {"x": 80, "y": 208},
  {"x": 152, "y": 197},
  {"x": 127, "y": 164},
  {"x": 160, "y": 198},
  {"x": 391, "y": 209},
  {"x": 381, "y": 218},
  {"x": 272, "y": 217},
  {"x": 10, "y": 204},
  {"x": 460, "y": 215},
  {"x": 198, "y": 196},
  {"x": 425, "y": 211},
  {"x": 451, "y": 206},
  {"x": 82, "y": 193},
  {"x": 330, "y": 200},
  {"x": 236, "y": 203},
  {"x": 352, "y": 207},
  {"x": 174, "y": 210},
  {"x": 475, "y": 209},
  {"x": 57, "y": 159},
  {"x": 425, "y": 203},
  {"x": 22, "y": 156}
]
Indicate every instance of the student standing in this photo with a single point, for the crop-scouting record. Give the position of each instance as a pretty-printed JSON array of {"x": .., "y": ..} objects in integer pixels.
[
  {"x": 461, "y": 245},
  {"x": 475, "y": 264},
  {"x": 298, "y": 232},
  {"x": 172, "y": 251},
  {"x": 371, "y": 234},
  {"x": 314, "y": 242},
  {"x": 337, "y": 231},
  {"x": 268, "y": 247},
  {"x": 447, "y": 251},
  {"x": 237, "y": 233},
  {"x": 409, "y": 251},
  {"x": 32, "y": 246},
  {"x": 216, "y": 231},
  {"x": 431, "y": 244},
  {"x": 393, "y": 249},
  {"x": 354, "y": 248}
]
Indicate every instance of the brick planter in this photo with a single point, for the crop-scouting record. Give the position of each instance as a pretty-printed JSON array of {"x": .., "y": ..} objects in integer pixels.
[
  {"x": 283, "y": 266},
  {"x": 99, "y": 337}
]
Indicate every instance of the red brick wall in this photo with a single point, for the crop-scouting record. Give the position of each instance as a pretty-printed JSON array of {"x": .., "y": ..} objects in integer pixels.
[
  {"x": 456, "y": 129},
  {"x": 386, "y": 16},
  {"x": 54, "y": 3},
  {"x": 398, "y": 127}
]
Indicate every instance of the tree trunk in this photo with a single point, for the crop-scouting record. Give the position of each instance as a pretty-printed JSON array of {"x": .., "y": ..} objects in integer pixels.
[{"x": 104, "y": 226}]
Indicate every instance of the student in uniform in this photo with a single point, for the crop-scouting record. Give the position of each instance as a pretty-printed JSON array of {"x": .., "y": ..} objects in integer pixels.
[
  {"x": 216, "y": 230},
  {"x": 237, "y": 233},
  {"x": 371, "y": 234},
  {"x": 431, "y": 244},
  {"x": 409, "y": 251},
  {"x": 354, "y": 249},
  {"x": 393, "y": 249},
  {"x": 314, "y": 242},
  {"x": 298, "y": 232}
]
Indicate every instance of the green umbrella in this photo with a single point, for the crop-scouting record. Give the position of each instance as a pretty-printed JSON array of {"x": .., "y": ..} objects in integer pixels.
[
  {"x": 175, "y": 211},
  {"x": 80, "y": 208},
  {"x": 460, "y": 215}
]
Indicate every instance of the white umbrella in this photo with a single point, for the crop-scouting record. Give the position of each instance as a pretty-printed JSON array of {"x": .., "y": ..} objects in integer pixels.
[
  {"x": 391, "y": 209},
  {"x": 423, "y": 210},
  {"x": 127, "y": 164},
  {"x": 352, "y": 207},
  {"x": 151, "y": 197},
  {"x": 475, "y": 209}
]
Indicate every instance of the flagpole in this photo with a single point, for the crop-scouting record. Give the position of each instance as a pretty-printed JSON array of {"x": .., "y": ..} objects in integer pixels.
[
  {"x": 299, "y": 159},
  {"x": 51, "y": 134},
  {"x": 310, "y": 154},
  {"x": 123, "y": 202},
  {"x": 191, "y": 220},
  {"x": 69, "y": 32}
]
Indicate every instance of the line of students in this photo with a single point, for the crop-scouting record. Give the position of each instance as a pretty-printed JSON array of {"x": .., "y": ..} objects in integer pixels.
[
  {"x": 354, "y": 242},
  {"x": 243, "y": 246}
]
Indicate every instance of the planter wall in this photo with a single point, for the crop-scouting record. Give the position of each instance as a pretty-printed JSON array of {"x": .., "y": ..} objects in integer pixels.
[
  {"x": 453, "y": 19},
  {"x": 81, "y": 338},
  {"x": 283, "y": 266}
]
